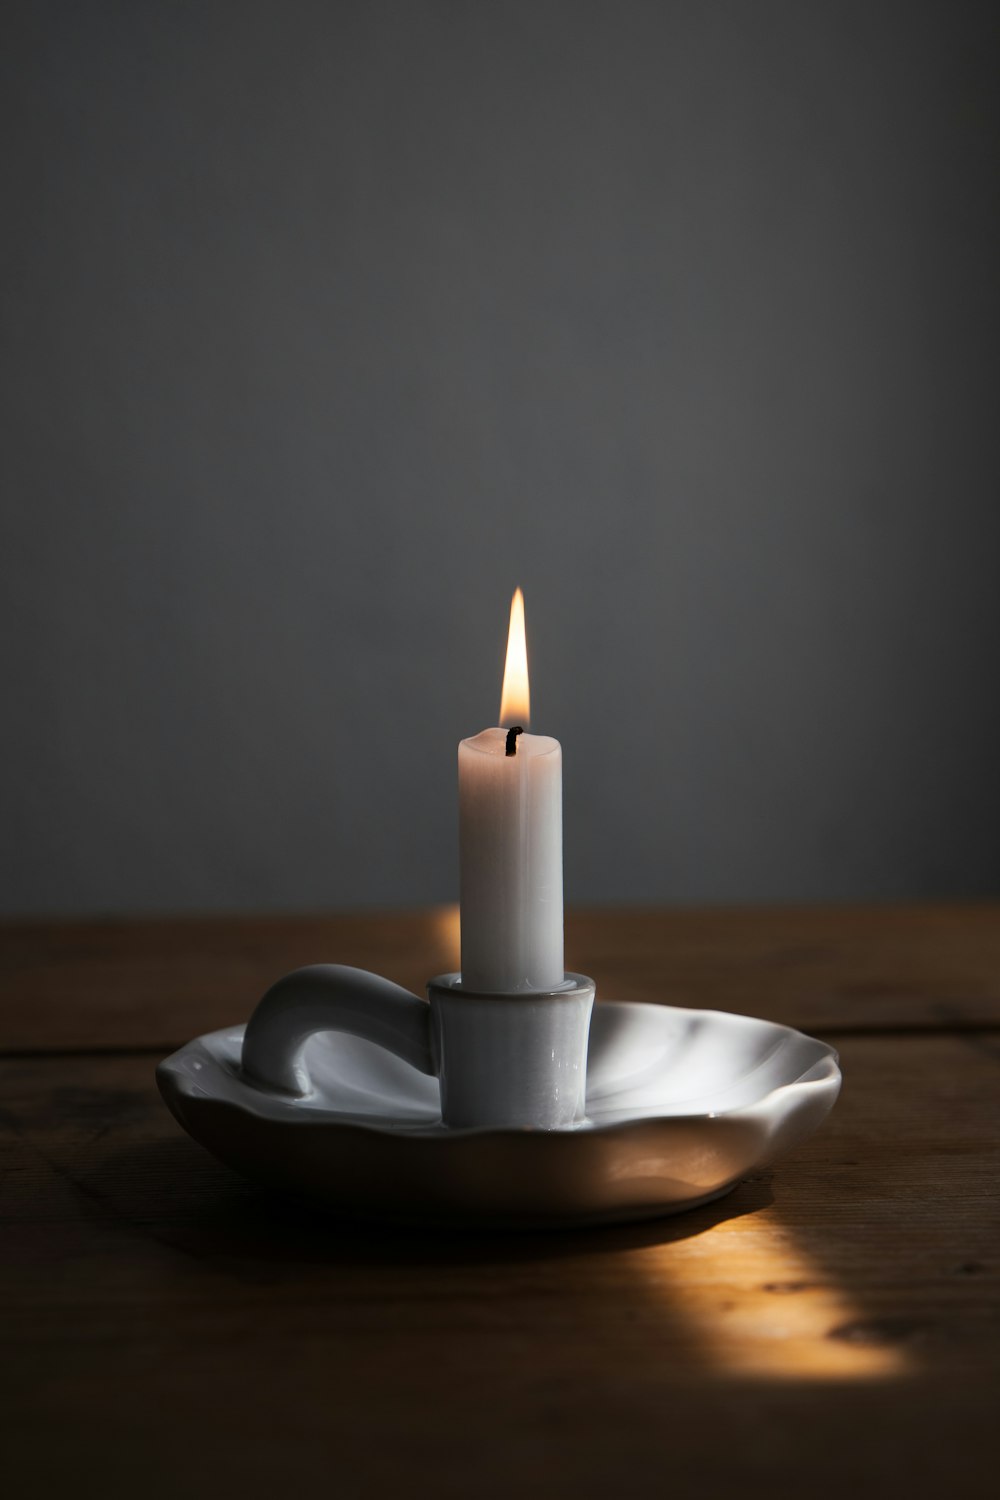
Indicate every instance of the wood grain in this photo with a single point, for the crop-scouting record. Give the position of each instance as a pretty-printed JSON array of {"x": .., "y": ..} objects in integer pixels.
[
  {"x": 149, "y": 1294},
  {"x": 157, "y": 983},
  {"x": 832, "y": 1326}
]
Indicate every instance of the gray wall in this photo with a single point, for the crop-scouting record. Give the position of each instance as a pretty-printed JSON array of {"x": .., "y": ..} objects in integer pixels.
[{"x": 326, "y": 324}]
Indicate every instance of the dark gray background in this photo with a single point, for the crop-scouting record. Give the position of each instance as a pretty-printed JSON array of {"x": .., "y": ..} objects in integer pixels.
[{"x": 326, "y": 324}]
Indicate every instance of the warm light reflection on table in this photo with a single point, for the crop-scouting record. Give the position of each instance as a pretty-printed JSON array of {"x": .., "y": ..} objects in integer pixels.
[{"x": 761, "y": 1307}]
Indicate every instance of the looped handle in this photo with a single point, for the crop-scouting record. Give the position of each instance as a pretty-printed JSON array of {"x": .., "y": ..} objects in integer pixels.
[{"x": 331, "y": 997}]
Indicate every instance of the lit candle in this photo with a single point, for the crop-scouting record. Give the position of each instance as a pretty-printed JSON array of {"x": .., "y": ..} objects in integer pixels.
[{"x": 510, "y": 815}]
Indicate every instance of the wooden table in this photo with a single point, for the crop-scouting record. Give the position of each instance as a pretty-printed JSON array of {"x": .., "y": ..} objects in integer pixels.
[{"x": 834, "y": 1325}]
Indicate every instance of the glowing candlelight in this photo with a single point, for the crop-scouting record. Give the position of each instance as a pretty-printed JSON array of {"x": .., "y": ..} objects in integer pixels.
[{"x": 515, "y": 699}]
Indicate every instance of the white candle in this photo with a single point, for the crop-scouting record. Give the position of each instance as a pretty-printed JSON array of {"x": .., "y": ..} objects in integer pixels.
[{"x": 510, "y": 817}]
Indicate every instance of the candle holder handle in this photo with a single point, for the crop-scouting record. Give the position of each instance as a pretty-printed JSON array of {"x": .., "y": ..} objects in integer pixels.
[
  {"x": 504, "y": 1061},
  {"x": 331, "y": 997}
]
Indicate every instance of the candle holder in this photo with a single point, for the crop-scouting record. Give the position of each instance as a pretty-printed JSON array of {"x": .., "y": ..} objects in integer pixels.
[
  {"x": 517, "y": 1111},
  {"x": 503, "y": 1061}
]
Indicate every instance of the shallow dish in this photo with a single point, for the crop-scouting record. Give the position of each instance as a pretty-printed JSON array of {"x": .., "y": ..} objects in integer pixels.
[{"x": 681, "y": 1104}]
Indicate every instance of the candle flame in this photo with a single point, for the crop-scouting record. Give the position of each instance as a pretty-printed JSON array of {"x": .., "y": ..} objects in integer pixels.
[{"x": 515, "y": 700}]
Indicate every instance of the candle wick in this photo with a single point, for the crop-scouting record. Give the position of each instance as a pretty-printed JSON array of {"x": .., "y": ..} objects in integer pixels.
[{"x": 512, "y": 735}]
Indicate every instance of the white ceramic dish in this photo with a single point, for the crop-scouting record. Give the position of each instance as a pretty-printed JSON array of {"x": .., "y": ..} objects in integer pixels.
[{"x": 681, "y": 1104}]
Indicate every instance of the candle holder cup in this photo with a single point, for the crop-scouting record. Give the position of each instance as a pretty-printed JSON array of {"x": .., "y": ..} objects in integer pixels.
[
  {"x": 503, "y": 1061},
  {"x": 515, "y": 1060}
]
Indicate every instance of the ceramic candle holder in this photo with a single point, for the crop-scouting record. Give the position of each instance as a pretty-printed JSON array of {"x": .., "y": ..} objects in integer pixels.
[
  {"x": 681, "y": 1106},
  {"x": 516, "y": 1061}
]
